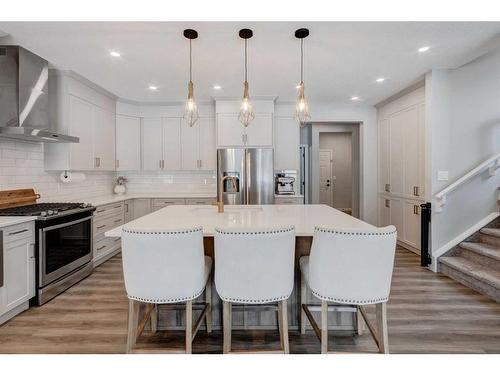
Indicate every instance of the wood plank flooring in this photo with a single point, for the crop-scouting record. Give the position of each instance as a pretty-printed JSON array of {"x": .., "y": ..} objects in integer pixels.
[{"x": 427, "y": 313}]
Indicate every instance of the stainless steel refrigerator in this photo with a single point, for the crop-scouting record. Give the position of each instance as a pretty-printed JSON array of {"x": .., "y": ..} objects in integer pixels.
[{"x": 253, "y": 170}]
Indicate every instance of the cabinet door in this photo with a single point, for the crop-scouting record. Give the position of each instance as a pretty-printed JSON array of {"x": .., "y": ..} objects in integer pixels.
[
  {"x": 396, "y": 216},
  {"x": 384, "y": 212},
  {"x": 142, "y": 206},
  {"x": 19, "y": 273},
  {"x": 190, "y": 146},
  {"x": 152, "y": 144},
  {"x": 128, "y": 143},
  {"x": 229, "y": 130},
  {"x": 81, "y": 119},
  {"x": 104, "y": 139},
  {"x": 411, "y": 135},
  {"x": 172, "y": 144},
  {"x": 260, "y": 130},
  {"x": 412, "y": 223},
  {"x": 208, "y": 152},
  {"x": 128, "y": 210},
  {"x": 397, "y": 124},
  {"x": 383, "y": 152},
  {"x": 286, "y": 144}
]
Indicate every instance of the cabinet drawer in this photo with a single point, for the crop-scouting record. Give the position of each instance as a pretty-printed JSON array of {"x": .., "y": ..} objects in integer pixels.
[
  {"x": 108, "y": 209},
  {"x": 289, "y": 200},
  {"x": 106, "y": 245},
  {"x": 18, "y": 232},
  {"x": 163, "y": 202},
  {"x": 102, "y": 226},
  {"x": 199, "y": 201}
]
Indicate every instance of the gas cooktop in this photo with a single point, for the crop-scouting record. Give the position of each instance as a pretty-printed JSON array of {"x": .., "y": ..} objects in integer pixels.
[{"x": 43, "y": 209}]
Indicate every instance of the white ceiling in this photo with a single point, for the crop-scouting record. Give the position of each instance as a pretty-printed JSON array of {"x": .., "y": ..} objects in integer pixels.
[{"x": 342, "y": 59}]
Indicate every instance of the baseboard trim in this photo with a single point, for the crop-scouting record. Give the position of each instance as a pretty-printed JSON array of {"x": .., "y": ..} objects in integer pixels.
[{"x": 461, "y": 237}]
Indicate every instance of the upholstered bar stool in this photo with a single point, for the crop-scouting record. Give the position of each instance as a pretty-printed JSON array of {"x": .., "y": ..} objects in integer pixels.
[
  {"x": 165, "y": 267},
  {"x": 351, "y": 267},
  {"x": 254, "y": 268}
]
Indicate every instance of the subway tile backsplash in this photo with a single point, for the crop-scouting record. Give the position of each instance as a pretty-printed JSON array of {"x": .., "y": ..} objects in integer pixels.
[{"x": 22, "y": 166}]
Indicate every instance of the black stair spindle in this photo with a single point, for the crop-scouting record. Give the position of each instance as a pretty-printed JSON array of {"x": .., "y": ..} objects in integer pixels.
[{"x": 425, "y": 223}]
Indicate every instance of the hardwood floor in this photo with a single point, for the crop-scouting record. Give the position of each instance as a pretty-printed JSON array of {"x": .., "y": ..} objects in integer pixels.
[{"x": 427, "y": 313}]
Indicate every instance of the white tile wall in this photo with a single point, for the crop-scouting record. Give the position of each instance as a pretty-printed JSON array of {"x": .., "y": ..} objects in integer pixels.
[{"x": 21, "y": 166}]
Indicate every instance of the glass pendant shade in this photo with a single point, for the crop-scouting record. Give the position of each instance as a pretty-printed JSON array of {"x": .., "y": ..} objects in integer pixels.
[
  {"x": 246, "y": 114},
  {"x": 191, "y": 109},
  {"x": 302, "y": 114}
]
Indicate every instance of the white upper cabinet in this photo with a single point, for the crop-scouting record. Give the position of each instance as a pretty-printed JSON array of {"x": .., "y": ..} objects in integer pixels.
[
  {"x": 230, "y": 132},
  {"x": 81, "y": 109},
  {"x": 208, "y": 154},
  {"x": 190, "y": 146},
  {"x": 286, "y": 144},
  {"x": 171, "y": 144},
  {"x": 128, "y": 143},
  {"x": 152, "y": 144},
  {"x": 198, "y": 145},
  {"x": 260, "y": 131}
]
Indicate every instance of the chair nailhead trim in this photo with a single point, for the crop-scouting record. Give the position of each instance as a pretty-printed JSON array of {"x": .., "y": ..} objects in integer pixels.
[
  {"x": 241, "y": 300},
  {"x": 353, "y": 301},
  {"x": 171, "y": 300},
  {"x": 271, "y": 231},
  {"x": 326, "y": 230},
  {"x": 181, "y": 231}
]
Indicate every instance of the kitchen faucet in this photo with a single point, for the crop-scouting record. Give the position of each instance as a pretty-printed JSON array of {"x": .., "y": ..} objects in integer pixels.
[{"x": 220, "y": 202}]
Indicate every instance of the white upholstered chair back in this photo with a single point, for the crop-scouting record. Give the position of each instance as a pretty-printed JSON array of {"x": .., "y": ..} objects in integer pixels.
[
  {"x": 254, "y": 267},
  {"x": 163, "y": 266},
  {"x": 352, "y": 266}
]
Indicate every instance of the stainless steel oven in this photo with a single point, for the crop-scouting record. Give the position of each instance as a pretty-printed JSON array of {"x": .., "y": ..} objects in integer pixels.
[{"x": 64, "y": 253}]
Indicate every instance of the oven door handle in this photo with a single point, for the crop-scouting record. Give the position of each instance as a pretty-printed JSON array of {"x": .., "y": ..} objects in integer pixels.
[{"x": 66, "y": 224}]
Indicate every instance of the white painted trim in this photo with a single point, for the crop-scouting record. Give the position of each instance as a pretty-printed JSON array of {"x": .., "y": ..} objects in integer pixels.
[{"x": 461, "y": 237}]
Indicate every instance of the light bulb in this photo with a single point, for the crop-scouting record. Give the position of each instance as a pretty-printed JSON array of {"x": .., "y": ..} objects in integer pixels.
[
  {"x": 301, "y": 107},
  {"x": 246, "y": 114},
  {"x": 191, "y": 109}
]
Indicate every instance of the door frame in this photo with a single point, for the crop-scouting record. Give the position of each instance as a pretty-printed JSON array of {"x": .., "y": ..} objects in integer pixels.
[{"x": 330, "y": 151}]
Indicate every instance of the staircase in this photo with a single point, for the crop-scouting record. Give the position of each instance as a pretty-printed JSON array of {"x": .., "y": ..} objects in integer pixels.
[{"x": 476, "y": 261}]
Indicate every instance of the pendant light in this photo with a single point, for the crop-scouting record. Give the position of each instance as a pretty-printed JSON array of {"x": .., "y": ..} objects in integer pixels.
[
  {"x": 246, "y": 114},
  {"x": 191, "y": 109},
  {"x": 302, "y": 114}
]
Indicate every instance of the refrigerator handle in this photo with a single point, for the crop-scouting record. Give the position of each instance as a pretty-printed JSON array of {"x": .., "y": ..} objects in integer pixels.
[{"x": 247, "y": 176}]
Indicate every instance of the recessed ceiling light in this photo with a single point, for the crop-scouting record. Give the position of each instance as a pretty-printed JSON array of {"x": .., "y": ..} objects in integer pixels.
[
  {"x": 217, "y": 87},
  {"x": 115, "y": 54},
  {"x": 380, "y": 80},
  {"x": 153, "y": 88},
  {"x": 354, "y": 98},
  {"x": 424, "y": 49}
]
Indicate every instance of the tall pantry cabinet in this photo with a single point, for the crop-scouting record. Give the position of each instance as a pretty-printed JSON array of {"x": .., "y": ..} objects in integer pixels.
[{"x": 401, "y": 165}]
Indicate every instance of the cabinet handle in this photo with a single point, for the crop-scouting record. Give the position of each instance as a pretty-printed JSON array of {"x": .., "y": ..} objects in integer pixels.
[
  {"x": 388, "y": 188},
  {"x": 17, "y": 232},
  {"x": 116, "y": 240},
  {"x": 160, "y": 163},
  {"x": 117, "y": 163},
  {"x": 415, "y": 209},
  {"x": 126, "y": 208},
  {"x": 387, "y": 203},
  {"x": 416, "y": 188},
  {"x": 118, "y": 220},
  {"x": 101, "y": 247},
  {"x": 101, "y": 226},
  {"x": 163, "y": 164}
]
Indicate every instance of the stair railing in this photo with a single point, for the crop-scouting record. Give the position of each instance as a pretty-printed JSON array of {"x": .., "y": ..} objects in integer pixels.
[{"x": 492, "y": 164}]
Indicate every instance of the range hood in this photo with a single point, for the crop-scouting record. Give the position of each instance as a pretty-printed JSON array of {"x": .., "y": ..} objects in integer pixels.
[{"x": 24, "y": 99}]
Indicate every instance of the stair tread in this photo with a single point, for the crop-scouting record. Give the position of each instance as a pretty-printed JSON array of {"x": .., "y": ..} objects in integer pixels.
[
  {"x": 495, "y": 232},
  {"x": 471, "y": 268},
  {"x": 482, "y": 248}
]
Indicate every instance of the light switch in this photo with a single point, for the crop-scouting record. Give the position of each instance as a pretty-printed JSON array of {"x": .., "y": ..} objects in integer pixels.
[{"x": 442, "y": 175}]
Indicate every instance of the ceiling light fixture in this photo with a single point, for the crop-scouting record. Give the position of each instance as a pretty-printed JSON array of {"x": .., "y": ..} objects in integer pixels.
[
  {"x": 380, "y": 80},
  {"x": 191, "y": 109},
  {"x": 217, "y": 87},
  {"x": 115, "y": 54},
  {"x": 246, "y": 114},
  {"x": 424, "y": 49},
  {"x": 153, "y": 88},
  {"x": 301, "y": 107},
  {"x": 355, "y": 98}
]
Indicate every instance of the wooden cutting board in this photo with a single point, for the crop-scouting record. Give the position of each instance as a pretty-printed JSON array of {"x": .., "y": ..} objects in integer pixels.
[{"x": 18, "y": 197}]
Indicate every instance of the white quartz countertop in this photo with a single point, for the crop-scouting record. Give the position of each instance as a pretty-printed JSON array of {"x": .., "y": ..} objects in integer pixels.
[
  {"x": 303, "y": 217},
  {"x": 112, "y": 198},
  {"x": 6, "y": 221}
]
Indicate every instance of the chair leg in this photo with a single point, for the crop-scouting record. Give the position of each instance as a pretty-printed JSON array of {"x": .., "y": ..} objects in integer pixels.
[
  {"x": 360, "y": 322},
  {"x": 226, "y": 325},
  {"x": 133, "y": 322},
  {"x": 284, "y": 326},
  {"x": 208, "y": 299},
  {"x": 303, "y": 301},
  {"x": 189, "y": 327},
  {"x": 383, "y": 339},
  {"x": 324, "y": 327},
  {"x": 154, "y": 319}
]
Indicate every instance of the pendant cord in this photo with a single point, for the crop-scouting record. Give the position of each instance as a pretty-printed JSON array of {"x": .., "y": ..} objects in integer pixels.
[
  {"x": 190, "y": 62},
  {"x": 245, "y": 60},
  {"x": 301, "y": 60}
]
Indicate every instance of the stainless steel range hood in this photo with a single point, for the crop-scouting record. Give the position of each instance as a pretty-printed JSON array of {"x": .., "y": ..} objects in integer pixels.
[{"x": 24, "y": 99}]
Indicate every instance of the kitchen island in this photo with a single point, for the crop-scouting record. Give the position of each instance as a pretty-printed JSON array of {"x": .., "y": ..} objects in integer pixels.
[{"x": 303, "y": 217}]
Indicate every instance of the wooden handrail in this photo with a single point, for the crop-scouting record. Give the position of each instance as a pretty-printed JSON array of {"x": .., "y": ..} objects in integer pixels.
[{"x": 493, "y": 163}]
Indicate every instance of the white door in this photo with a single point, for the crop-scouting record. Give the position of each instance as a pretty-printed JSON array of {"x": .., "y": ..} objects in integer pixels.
[
  {"x": 286, "y": 144},
  {"x": 172, "y": 144},
  {"x": 104, "y": 139},
  {"x": 208, "y": 154},
  {"x": 229, "y": 130},
  {"x": 190, "y": 146},
  {"x": 383, "y": 153},
  {"x": 384, "y": 212},
  {"x": 152, "y": 144},
  {"x": 260, "y": 131},
  {"x": 128, "y": 143},
  {"x": 412, "y": 223},
  {"x": 325, "y": 177},
  {"x": 81, "y": 119},
  {"x": 411, "y": 152}
]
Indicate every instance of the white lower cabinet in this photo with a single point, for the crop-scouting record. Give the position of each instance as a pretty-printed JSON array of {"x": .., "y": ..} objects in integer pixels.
[
  {"x": 106, "y": 217},
  {"x": 128, "y": 210},
  {"x": 18, "y": 269},
  {"x": 283, "y": 199},
  {"x": 141, "y": 207},
  {"x": 411, "y": 219},
  {"x": 159, "y": 203}
]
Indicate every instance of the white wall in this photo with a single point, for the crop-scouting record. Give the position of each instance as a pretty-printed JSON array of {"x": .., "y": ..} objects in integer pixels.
[{"x": 464, "y": 117}]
